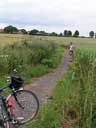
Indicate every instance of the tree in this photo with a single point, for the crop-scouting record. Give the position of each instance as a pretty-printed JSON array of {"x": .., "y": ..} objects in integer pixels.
[
  {"x": 43, "y": 33},
  {"x": 69, "y": 33},
  {"x": 53, "y": 34},
  {"x": 65, "y": 33},
  {"x": 23, "y": 31},
  {"x": 60, "y": 34},
  {"x": 91, "y": 34},
  {"x": 10, "y": 29},
  {"x": 33, "y": 32},
  {"x": 76, "y": 33}
]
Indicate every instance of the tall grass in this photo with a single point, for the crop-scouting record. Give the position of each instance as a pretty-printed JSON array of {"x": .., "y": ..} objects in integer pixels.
[
  {"x": 87, "y": 74},
  {"x": 62, "y": 106},
  {"x": 73, "y": 102},
  {"x": 31, "y": 59}
]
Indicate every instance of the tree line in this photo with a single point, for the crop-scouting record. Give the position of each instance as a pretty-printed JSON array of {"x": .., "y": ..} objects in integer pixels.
[{"x": 67, "y": 33}]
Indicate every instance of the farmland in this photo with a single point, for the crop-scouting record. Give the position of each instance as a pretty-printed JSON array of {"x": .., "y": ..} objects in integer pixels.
[
  {"x": 84, "y": 43},
  {"x": 73, "y": 102},
  {"x": 11, "y": 38}
]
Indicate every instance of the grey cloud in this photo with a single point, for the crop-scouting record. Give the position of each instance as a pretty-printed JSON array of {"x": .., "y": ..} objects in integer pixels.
[{"x": 50, "y": 14}]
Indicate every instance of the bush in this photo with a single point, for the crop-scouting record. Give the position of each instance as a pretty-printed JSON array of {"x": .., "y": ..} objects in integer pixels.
[
  {"x": 26, "y": 53},
  {"x": 34, "y": 59},
  {"x": 47, "y": 62}
]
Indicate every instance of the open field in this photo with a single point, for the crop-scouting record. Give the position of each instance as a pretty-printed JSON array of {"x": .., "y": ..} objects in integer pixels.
[
  {"x": 84, "y": 43},
  {"x": 12, "y": 38},
  {"x": 72, "y": 104}
]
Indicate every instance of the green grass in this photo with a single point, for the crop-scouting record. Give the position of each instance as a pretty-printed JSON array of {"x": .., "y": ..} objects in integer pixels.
[
  {"x": 73, "y": 99},
  {"x": 12, "y": 38},
  {"x": 84, "y": 43},
  {"x": 71, "y": 95},
  {"x": 65, "y": 99},
  {"x": 87, "y": 74},
  {"x": 30, "y": 58},
  {"x": 47, "y": 65}
]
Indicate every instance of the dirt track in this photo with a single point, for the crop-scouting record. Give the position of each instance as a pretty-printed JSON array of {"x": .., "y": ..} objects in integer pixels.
[{"x": 44, "y": 85}]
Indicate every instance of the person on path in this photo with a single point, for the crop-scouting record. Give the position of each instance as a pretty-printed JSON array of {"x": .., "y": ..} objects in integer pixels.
[{"x": 71, "y": 48}]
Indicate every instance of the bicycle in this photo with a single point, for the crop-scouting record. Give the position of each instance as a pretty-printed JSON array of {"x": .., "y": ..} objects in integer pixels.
[{"x": 20, "y": 107}]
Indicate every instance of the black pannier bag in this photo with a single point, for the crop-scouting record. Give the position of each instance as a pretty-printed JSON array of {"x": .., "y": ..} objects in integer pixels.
[{"x": 16, "y": 82}]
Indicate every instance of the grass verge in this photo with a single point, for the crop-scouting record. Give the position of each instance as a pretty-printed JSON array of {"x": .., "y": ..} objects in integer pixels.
[{"x": 62, "y": 109}]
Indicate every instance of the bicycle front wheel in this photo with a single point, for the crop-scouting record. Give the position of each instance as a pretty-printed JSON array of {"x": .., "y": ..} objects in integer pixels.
[
  {"x": 4, "y": 124},
  {"x": 26, "y": 105}
]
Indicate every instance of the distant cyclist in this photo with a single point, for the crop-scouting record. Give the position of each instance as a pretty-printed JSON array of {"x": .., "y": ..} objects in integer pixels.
[{"x": 71, "y": 48}]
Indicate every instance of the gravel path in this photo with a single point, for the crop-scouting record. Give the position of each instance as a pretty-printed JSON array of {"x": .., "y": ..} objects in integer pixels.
[{"x": 43, "y": 86}]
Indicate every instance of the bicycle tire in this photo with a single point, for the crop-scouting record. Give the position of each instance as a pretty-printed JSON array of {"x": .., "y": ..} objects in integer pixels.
[
  {"x": 1, "y": 123},
  {"x": 30, "y": 106},
  {"x": 71, "y": 53},
  {"x": 4, "y": 123},
  {"x": 7, "y": 124}
]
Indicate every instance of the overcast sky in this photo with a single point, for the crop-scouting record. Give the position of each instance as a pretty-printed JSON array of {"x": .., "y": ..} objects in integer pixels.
[{"x": 49, "y": 15}]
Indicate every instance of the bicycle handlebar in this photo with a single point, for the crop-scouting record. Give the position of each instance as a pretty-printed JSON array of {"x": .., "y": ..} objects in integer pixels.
[{"x": 14, "y": 80}]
